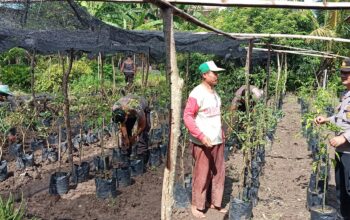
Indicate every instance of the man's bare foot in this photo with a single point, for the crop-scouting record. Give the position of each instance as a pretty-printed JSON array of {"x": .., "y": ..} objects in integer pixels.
[
  {"x": 221, "y": 210},
  {"x": 196, "y": 213}
]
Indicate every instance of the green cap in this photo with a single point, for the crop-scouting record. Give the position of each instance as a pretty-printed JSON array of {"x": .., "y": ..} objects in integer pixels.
[{"x": 209, "y": 66}]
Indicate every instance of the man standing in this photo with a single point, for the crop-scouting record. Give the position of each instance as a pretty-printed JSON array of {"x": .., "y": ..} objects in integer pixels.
[
  {"x": 202, "y": 118},
  {"x": 127, "y": 111},
  {"x": 341, "y": 142}
]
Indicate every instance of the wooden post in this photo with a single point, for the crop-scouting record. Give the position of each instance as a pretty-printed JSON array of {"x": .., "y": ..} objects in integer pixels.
[
  {"x": 66, "y": 106},
  {"x": 32, "y": 68},
  {"x": 176, "y": 87},
  {"x": 268, "y": 73}
]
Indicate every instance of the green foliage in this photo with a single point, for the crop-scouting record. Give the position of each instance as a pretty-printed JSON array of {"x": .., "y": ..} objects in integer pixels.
[
  {"x": 258, "y": 20},
  {"x": 8, "y": 210},
  {"x": 49, "y": 74},
  {"x": 126, "y": 16},
  {"x": 14, "y": 56},
  {"x": 16, "y": 75}
]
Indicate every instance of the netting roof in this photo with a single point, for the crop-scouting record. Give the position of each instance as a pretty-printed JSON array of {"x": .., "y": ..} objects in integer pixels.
[{"x": 52, "y": 27}]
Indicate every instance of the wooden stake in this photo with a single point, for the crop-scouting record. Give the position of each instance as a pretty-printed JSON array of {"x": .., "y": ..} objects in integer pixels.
[
  {"x": 175, "y": 115},
  {"x": 143, "y": 68},
  {"x": 278, "y": 79},
  {"x": 66, "y": 106},
  {"x": 247, "y": 75},
  {"x": 59, "y": 148},
  {"x": 325, "y": 79},
  {"x": 147, "y": 69},
  {"x": 268, "y": 73},
  {"x": 114, "y": 74}
]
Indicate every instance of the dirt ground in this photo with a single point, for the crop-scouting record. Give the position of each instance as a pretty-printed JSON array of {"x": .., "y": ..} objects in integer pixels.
[{"x": 282, "y": 193}]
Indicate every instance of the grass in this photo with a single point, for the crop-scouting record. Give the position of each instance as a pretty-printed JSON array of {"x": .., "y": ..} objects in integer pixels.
[{"x": 8, "y": 210}]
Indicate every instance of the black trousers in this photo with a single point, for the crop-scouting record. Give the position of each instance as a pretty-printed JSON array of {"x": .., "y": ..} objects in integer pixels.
[{"x": 342, "y": 180}]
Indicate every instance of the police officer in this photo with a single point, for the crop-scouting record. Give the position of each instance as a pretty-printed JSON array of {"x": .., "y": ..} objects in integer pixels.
[{"x": 341, "y": 143}]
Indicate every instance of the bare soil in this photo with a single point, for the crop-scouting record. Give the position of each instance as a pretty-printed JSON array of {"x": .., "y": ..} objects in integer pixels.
[{"x": 282, "y": 193}]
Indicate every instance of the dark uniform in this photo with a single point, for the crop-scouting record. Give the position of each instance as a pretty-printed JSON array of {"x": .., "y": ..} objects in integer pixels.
[{"x": 342, "y": 169}]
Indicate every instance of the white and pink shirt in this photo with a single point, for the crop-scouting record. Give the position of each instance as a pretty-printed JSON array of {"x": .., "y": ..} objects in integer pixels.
[{"x": 202, "y": 116}]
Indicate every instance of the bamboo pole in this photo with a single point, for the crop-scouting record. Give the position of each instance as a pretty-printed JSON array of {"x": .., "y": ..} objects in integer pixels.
[
  {"x": 306, "y": 50},
  {"x": 294, "y": 52},
  {"x": 297, "y": 36},
  {"x": 175, "y": 114}
]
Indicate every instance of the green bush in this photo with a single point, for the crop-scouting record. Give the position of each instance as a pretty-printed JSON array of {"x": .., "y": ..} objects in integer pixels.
[
  {"x": 16, "y": 76},
  {"x": 49, "y": 79}
]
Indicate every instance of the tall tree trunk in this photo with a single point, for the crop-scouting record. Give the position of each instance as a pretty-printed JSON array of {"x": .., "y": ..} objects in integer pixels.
[
  {"x": 65, "y": 79},
  {"x": 176, "y": 86}
]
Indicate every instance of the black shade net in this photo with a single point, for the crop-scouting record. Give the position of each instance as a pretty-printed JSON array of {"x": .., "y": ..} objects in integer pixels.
[{"x": 49, "y": 27}]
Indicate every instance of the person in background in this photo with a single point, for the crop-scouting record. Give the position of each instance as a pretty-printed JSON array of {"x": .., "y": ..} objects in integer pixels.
[
  {"x": 238, "y": 102},
  {"x": 127, "y": 111},
  {"x": 129, "y": 69},
  {"x": 202, "y": 117},
  {"x": 341, "y": 143}
]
